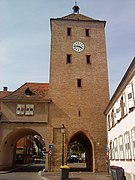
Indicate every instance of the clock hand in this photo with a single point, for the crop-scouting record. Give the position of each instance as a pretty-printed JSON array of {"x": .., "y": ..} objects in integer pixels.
[{"x": 79, "y": 46}]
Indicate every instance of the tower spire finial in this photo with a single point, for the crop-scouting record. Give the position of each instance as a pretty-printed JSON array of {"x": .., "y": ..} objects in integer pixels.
[{"x": 76, "y": 8}]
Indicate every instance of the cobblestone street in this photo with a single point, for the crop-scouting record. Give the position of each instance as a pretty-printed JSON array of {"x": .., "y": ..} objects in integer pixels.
[{"x": 78, "y": 176}]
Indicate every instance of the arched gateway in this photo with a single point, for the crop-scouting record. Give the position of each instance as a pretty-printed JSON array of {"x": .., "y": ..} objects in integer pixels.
[
  {"x": 9, "y": 146},
  {"x": 76, "y": 96},
  {"x": 88, "y": 151}
]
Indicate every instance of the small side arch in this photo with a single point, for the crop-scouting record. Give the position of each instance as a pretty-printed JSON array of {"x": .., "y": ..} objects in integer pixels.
[{"x": 8, "y": 146}]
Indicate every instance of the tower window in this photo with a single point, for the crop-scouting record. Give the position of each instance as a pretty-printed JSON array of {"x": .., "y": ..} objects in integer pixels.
[
  {"x": 88, "y": 59},
  {"x": 68, "y": 58},
  {"x": 79, "y": 113},
  {"x": 69, "y": 31},
  {"x": 87, "y": 32},
  {"x": 79, "y": 82}
]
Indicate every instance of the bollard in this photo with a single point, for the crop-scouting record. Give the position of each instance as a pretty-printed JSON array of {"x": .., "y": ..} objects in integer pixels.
[{"x": 64, "y": 172}]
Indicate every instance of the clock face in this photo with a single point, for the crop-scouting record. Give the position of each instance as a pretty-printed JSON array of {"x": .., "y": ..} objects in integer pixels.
[{"x": 78, "y": 46}]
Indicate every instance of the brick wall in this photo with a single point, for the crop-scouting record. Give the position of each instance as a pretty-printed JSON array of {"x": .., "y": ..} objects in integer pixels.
[{"x": 90, "y": 99}]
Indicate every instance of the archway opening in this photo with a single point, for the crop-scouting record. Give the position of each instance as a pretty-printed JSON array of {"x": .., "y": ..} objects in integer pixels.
[
  {"x": 30, "y": 149},
  {"x": 80, "y": 154},
  {"x": 22, "y": 146}
]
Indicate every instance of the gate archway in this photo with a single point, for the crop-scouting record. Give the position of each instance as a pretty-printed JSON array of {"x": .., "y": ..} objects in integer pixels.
[
  {"x": 86, "y": 143},
  {"x": 8, "y": 146}
]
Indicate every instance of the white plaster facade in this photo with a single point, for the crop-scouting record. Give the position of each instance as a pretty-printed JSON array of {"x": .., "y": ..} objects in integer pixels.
[{"x": 121, "y": 124}]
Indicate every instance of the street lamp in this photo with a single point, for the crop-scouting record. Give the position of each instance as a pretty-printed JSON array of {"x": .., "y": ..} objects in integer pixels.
[{"x": 63, "y": 130}]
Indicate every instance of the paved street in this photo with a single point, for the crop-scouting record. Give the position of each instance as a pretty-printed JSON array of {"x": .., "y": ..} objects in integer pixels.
[
  {"x": 53, "y": 176},
  {"x": 77, "y": 176},
  {"x": 34, "y": 172}
]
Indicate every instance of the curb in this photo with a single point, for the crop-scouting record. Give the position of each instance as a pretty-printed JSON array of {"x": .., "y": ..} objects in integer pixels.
[{"x": 11, "y": 170}]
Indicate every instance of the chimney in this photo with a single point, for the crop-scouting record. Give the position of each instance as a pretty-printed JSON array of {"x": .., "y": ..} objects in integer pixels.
[{"x": 5, "y": 88}]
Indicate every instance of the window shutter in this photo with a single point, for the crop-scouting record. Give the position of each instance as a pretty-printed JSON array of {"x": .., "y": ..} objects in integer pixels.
[
  {"x": 117, "y": 110},
  {"x": 127, "y": 146},
  {"x": 125, "y": 104},
  {"x": 121, "y": 147},
  {"x": 113, "y": 152},
  {"x": 129, "y": 93},
  {"x": 108, "y": 122},
  {"x": 115, "y": 149},
  {"x": 110, "y": 150},
  {"x": 112, "y": 116},
  {"x": 115, "y": 120},
  {"x": 134, "y": 90},
  {"x": 133, "y": 142},
  {"x": 111, "y": 123}
]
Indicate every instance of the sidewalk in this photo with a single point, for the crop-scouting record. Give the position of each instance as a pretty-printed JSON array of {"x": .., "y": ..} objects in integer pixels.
[
  {"x": 14, "y": 168},
  {"x": 77, "y": 176}
]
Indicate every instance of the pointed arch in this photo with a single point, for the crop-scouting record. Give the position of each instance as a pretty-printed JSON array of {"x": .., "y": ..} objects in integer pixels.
[{"x": 82, "y": 138}]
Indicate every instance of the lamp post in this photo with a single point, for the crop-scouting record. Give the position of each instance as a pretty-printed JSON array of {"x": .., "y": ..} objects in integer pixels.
[{"x": 63, "y": 134}]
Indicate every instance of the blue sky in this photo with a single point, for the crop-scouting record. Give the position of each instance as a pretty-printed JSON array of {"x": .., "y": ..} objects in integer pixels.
[{"x": 25, "y": 37}]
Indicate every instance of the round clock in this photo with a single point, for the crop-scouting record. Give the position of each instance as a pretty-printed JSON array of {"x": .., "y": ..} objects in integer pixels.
[{"x": 78, "y": 46}]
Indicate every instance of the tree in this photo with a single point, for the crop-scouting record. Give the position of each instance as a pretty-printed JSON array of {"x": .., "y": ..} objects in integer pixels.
[{"x": 77, "y": 148}]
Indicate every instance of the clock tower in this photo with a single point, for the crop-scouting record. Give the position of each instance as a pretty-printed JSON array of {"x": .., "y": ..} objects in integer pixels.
[{"x": 79, "y": 86}]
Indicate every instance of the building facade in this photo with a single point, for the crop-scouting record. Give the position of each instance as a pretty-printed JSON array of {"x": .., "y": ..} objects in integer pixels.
[
  {"x": 79, "y": 82},
  {"x": 76, "y": 96},
  {"x": 121, "y": 124}
]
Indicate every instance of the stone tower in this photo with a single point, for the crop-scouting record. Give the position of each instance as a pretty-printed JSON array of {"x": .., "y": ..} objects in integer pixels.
[{"x": 79, "y": 86}]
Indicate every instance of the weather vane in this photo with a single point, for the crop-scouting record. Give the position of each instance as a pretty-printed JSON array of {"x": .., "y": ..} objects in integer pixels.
[{"x": 76, "y": 8}]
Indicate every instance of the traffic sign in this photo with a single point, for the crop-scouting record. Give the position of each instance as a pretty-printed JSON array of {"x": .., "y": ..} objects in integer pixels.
[
  {"x": 50, "y": 146},
  {"x": 50, "y": 152}
]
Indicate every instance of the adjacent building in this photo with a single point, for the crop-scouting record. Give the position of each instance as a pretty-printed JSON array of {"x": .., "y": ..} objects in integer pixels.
[{"x": 121, "y": 124}]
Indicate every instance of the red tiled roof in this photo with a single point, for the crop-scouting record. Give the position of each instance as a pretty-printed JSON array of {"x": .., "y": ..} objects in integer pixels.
[
  {"x": 39, "y": 92},
  {"x": 4, "y": 93}
]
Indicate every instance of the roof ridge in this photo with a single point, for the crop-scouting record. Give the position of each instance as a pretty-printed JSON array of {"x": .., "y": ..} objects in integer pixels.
[{"x": 76, "y": 16}]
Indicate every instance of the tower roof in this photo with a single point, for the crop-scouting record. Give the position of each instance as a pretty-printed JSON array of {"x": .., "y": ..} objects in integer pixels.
[{"x": 76, "y": 16}]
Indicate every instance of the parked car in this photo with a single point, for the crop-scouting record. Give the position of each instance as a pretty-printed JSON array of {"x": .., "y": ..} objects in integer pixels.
[{"x": 74, "y": 159}]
